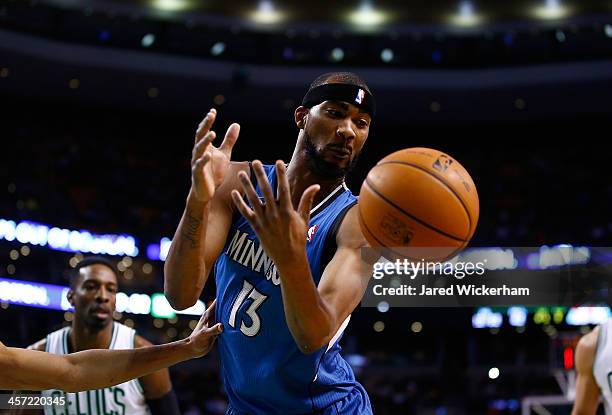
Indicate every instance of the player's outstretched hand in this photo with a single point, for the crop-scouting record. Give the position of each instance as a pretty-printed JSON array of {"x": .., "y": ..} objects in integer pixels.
[
  {"x": 280, "y": 228},
  {"x": 209, "y": 164},
  {"x": 204, "y": 335}
]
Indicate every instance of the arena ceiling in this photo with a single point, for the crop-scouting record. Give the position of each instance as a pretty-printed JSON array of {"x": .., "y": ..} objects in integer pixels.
[
  {"x": 97, "y": 49},
  {"x": 377, "y": 16}
]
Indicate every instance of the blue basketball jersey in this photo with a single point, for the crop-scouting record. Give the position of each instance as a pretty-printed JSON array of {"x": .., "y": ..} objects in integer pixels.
[{"x": 263, "y": 370}]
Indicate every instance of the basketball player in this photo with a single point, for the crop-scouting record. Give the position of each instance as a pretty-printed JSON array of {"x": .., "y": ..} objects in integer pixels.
[
  {"x": 288, "y": 276},
  {"x": 594, "y": 371},
  {"x": 96, "y": 369},
  {"x": 93, "y": 286}
]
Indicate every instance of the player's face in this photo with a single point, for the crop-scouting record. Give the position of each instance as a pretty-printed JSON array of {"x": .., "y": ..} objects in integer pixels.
[
  {"x": 95, "y": 295},
  {"x": 335, "y": 134}
]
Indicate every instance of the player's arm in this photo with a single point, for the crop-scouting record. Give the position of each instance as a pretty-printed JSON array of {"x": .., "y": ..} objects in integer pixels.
[
  {"x": 24, "y": 369},
  {"x": 201, "y": 233},
  {"x": 157, "y": 388},
  {"x": 313, "y": 314},
  {"x": 40, "y": 345},
  {"x": 587, "y": 391}
]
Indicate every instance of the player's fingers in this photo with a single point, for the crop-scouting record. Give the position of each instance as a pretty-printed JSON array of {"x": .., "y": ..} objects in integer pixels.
[
  {"x": 205, "y": 125},
  {"x": 230, "y": 139},
  {"x": 250, "y": 193},
  {"x": 242, "y": 207},
  {"x": 198, "y": 167},
  {"x": 209, "y": 314},
  {"x": 202, "y": 145},
  {"x": 264, "y": 186},
  {"x": 214, "y": 330},
  {"x": 283, "y": 190},
  {"x": 306, "y": 202}
]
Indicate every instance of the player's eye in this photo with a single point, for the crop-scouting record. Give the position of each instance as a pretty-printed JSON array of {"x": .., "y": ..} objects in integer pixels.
[
  {"x": 334, "y": 112},
  {"x": 362, "y": 123}
]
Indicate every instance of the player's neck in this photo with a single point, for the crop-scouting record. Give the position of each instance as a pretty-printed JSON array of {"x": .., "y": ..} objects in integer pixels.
[
  {"x": 83, "y": 337},
  {"x": 301, "y": 177}
]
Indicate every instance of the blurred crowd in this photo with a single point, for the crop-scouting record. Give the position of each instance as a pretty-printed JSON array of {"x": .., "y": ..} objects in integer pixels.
[{"x": 539, "y": 183}]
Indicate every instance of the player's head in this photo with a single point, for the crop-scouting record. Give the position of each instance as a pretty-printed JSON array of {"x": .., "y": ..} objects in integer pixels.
[
  {"x": 93, "y": 289},
  {"x": 334, "y": 121}
]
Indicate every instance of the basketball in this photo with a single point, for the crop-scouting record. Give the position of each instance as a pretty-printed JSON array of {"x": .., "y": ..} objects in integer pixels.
[{"x": 419, "y": 198}]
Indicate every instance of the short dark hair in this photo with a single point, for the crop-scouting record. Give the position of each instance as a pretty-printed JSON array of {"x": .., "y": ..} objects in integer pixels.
[
  {"x": 349, "y": 78},
  {"x": 88, "y": 261}
]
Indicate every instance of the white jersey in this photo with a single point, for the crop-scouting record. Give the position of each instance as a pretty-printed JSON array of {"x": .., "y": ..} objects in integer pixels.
[
  {"x": 602, "y": 364},
  {"x": 124, "y": 399}
]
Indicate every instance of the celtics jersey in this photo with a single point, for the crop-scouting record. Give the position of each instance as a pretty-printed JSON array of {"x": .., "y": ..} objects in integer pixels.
[
  {"x": 264, "y": 371},
  {"x": 124, "y": 399},
  {"x": 602, "y": 364}
]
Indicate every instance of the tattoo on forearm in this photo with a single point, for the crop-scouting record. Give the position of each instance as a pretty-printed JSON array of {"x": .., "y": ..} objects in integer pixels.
[{"x": 192, "y": 225}]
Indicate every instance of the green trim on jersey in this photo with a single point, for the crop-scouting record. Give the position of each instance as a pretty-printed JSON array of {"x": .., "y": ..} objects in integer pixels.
[{"x": 65, "y": 341}]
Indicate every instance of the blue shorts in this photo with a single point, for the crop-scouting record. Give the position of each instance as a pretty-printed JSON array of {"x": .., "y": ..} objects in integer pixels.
[{"x": 355, "y": 403}]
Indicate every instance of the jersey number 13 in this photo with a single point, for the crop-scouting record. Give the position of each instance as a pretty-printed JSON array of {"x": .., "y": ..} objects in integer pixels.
[{"x": 248, "y": 292}]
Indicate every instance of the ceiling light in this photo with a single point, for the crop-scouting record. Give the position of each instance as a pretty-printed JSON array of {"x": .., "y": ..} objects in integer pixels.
[
  {"x": 366, "y": 15},
  {"x": 217, "y": 49},
  {"x": 266, "y": 13},
  {"x": 552, "y": 9},
  {"x": 386, "y": 55},
  {"x": 337, "y": 54},
  {"x": 171, "y": 5},
  {"x": 147, "y": 40},
  {"x": 466, "y": 15}
]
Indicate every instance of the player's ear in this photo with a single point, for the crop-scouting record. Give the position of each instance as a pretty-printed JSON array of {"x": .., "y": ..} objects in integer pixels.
[
  {"x": 70, "y": 297},
  {"x": 300, "y": 116}
]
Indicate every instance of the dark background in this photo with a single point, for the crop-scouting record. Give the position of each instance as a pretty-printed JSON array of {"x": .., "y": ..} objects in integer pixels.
[{"x": 528, "y": 117}]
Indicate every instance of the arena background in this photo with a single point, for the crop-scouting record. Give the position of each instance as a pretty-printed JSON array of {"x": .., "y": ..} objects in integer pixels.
[{"x": 100, "y": 101}]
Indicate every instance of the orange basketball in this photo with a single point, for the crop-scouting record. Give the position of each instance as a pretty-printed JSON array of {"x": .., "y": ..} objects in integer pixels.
[{"x": 419, "y": 197}]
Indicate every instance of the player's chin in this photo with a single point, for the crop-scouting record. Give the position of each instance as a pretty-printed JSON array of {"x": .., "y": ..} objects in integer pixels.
[
  {"x": 338, "y": 160},
  {"x": 99, "y": 321}
]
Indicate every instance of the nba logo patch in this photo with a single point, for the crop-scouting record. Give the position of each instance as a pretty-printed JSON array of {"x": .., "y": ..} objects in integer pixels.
[
  {"x": 311, "y": 232},
  {"x": 360, "y": 96},
  {"x": 442, "y": 163}
]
